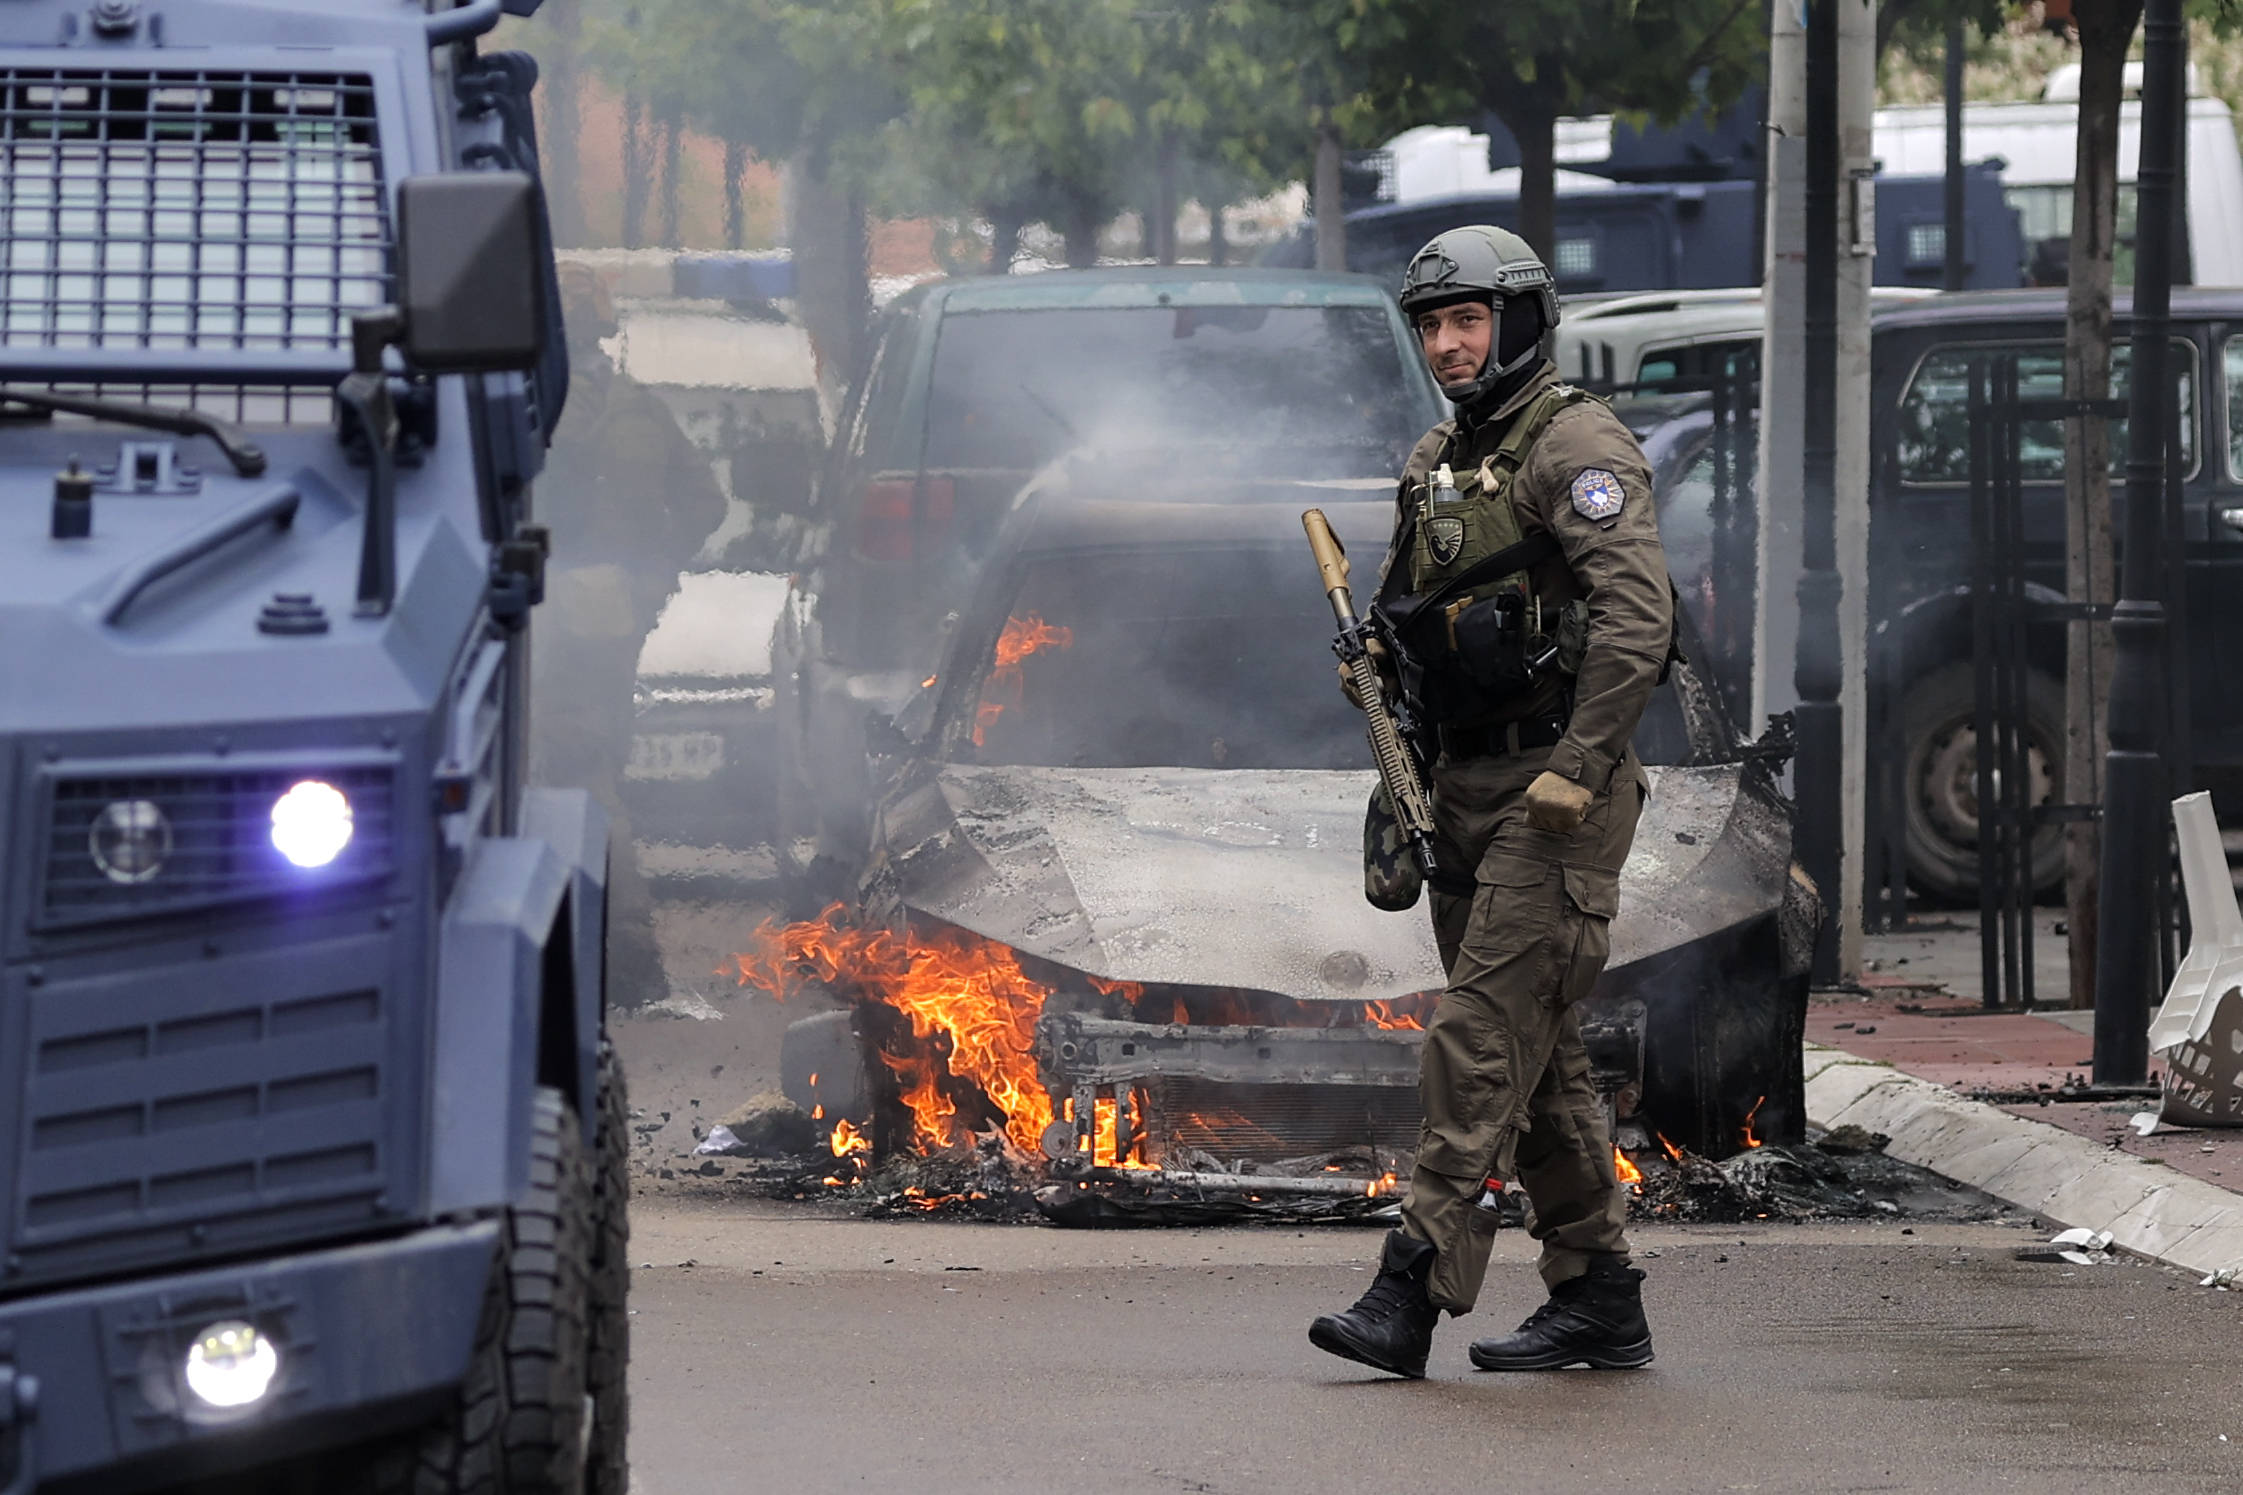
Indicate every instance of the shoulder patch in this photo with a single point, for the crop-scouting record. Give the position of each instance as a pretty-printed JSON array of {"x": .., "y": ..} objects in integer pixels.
[{"x": 1597, "y": 495}]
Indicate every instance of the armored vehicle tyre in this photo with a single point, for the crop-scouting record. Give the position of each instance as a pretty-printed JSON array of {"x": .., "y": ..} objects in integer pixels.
[{"x": 313, "y": 1171}]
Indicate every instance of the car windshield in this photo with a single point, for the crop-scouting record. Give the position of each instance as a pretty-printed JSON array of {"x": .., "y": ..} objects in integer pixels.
[
  {"x": 1317, "y": 391},
  {"x": 1163, "y": 658}
]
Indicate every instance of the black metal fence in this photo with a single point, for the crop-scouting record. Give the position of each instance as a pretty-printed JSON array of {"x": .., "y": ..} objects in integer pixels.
[{"x": 2015, "y": 615}]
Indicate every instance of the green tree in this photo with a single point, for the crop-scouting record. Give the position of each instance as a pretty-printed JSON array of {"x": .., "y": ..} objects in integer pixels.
[
  {"x": 1022, "y": 110},
  {"x": 1532, "y": 62},
  {"x": 1308, "y": 79}
]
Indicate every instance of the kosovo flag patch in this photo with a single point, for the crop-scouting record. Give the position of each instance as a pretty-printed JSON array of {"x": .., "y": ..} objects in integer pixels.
[{"x": 1597, "y": 495}]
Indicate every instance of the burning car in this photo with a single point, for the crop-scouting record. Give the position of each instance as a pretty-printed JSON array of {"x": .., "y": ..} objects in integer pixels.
[{"x": 1109, "y": 910}]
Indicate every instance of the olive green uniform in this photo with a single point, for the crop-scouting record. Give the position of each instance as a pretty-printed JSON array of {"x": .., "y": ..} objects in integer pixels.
[{"x": 1522, "y": 916}]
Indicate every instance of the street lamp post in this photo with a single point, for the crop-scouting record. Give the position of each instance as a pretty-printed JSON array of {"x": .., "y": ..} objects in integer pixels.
[{"x": 2133, "y": 775}]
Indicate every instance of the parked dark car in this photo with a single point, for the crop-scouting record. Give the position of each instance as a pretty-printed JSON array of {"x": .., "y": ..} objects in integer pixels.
[
  {"x": 1131, "y": 767},
  {"x": 1237, "y": 387},
  {"x": 1920, "y": 544}
]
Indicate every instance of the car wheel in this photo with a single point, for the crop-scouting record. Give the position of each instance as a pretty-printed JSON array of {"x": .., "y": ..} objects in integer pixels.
[
  {"x": 519, "y": 1425},
  {"x": 1940, "y": 780}
]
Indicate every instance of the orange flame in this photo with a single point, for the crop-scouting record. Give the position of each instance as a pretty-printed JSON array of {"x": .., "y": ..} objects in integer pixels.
[
  {"x": 1128, "y": 991},
  {"x": 1673, "y": 1151},
  {"x": 1747, "y": 1137},
  {"x": 1388, "y": 1015},
  {"x": 1629, "y": 1173},
  {"x": 847, "y": 1141},
  {"x": 1021, "y": 638},
  {"x": 970, "y": 991},
  {"x": 1383, "y": 1184}
]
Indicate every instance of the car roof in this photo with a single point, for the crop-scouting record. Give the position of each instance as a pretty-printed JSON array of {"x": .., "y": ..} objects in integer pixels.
[
  {"x": 1688, "y": 313},
  {"x": 2047, "y": 304},
  {"x": 1158, "y": 285}
]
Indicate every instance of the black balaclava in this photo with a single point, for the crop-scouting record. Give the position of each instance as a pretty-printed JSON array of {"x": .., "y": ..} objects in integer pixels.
[{"x": 1518, "y": 329}]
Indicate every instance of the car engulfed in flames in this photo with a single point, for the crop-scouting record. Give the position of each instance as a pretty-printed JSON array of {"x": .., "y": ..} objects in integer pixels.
[{"x": 1113, "y": 928}]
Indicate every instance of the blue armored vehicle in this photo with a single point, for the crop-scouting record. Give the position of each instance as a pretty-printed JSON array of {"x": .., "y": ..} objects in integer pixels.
[{"x": 311, "y": 1161}]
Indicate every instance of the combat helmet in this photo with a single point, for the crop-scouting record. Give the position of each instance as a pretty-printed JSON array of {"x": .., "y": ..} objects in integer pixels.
[{"x": 1480, "y": 262}]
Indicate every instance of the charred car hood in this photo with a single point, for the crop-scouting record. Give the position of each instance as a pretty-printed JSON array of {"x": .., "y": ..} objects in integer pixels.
[{"x": 1253, "y": 878}]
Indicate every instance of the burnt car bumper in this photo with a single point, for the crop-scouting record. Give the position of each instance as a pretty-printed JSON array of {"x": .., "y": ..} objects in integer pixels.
[
  {"x": 367, "y": 1338},
  {"x": 1239, "y": 891}
]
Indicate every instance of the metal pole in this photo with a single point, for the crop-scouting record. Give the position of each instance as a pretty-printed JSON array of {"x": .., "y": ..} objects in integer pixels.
[
  {"x": 1815, "y": 674},
  {"x": 2133, "y": 796},
  {"x": 1957, "y": 267}
]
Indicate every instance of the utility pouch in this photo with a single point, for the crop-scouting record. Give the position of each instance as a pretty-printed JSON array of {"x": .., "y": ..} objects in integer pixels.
[
  {"x": 1490, "y": 639},
  {"x": 1391, "y": 880}
]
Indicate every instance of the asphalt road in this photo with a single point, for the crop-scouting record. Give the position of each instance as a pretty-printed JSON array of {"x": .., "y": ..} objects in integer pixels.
[{"x": 778, "y": 1350}]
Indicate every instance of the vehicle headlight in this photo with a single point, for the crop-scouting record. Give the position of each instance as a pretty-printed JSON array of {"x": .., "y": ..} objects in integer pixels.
[
  {"x": 231, "y": 1365},
  {"x": 130, "y": 840},
  {"x": 311, "y": 823}
]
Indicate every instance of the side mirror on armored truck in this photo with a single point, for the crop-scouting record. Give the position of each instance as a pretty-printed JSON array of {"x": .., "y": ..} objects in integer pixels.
[{"x": 468, "y": 271}]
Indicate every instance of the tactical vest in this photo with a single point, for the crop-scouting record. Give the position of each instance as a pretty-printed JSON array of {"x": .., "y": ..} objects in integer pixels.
[
  {"x": 1452, "y": 537},
  {"x": 1484, "y": 648}
]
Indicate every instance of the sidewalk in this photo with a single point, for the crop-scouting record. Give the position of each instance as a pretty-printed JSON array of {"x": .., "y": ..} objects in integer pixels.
[{"x": 2176, "y": 1195}]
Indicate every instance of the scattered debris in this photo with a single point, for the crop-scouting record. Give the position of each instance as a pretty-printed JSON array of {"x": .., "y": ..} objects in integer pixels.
[
  {"x": 770, "y": 1125},
  {"x": 2079, "y": 1246},
  {"x": 720, "y": 1143},
  {"x": 2073, "y": 1088},
  {"x": 682, "y": 1002},
  {"x": 1846, "y": 1175},
  {"x": 2224, "y": 1280},
  {"x": 2143, "y": 1123},
  {"x": 1852, "y": 1138}
]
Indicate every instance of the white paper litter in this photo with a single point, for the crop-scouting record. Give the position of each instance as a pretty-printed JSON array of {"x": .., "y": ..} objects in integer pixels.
[{"x": 719, "y": 1142}]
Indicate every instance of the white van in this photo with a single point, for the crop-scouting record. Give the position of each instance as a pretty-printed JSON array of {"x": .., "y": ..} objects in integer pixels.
[
  {"x": 2037, "y": 143},
  {"x": 1663, "y": 336}
]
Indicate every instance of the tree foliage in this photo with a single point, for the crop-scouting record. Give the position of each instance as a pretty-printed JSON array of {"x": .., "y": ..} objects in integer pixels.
[{"x": 1066, "y": 111}]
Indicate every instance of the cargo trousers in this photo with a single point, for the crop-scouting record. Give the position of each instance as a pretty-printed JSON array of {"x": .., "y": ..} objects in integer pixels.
[{"x": 1505, "y": 1076}]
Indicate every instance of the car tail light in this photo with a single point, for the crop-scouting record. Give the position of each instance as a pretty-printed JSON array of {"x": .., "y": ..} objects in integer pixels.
[{"x": 898, "y": 518}]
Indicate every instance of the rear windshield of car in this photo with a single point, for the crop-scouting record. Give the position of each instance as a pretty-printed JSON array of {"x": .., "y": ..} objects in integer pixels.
[
  {"x": 1934, "y": 426},
  {"x": 1174, "y": 659},
  {"x": 1319, "y": 389}
]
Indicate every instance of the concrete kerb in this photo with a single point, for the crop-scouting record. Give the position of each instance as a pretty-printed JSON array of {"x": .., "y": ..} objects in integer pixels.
[{"x": 2149, "y": 1209}]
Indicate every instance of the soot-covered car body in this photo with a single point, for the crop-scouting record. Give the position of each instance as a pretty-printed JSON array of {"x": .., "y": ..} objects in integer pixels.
[
  {"x": 1238, "y": 386},
  {"x": 1133, "y": 767}
]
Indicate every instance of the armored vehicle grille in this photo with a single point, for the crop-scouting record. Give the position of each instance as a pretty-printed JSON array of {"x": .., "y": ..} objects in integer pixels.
[
  {"x": 164, "y": 1112},
  {"x": 189, "y": 209},
  {"x": 122, "y": 845}
]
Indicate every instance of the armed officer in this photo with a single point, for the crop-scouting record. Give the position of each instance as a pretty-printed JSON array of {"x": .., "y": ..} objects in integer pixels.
[{"x": 1533, "y": 681}]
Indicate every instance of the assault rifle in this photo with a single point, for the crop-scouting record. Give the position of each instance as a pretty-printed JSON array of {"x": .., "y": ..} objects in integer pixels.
[{"x": 1392, "y": 733}]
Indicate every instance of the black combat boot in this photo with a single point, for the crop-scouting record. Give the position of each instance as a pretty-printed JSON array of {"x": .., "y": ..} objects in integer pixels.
[
  {"x": 1391, "y": 1325},
  {"x": 1595, "y": 1319}
]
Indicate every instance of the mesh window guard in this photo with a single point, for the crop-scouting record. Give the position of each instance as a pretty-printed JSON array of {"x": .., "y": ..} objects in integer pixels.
[{"x": 189, "y": 210}]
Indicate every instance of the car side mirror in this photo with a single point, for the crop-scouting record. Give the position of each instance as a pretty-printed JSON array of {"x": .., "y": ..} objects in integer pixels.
[{"x": 469, "y": 272}]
